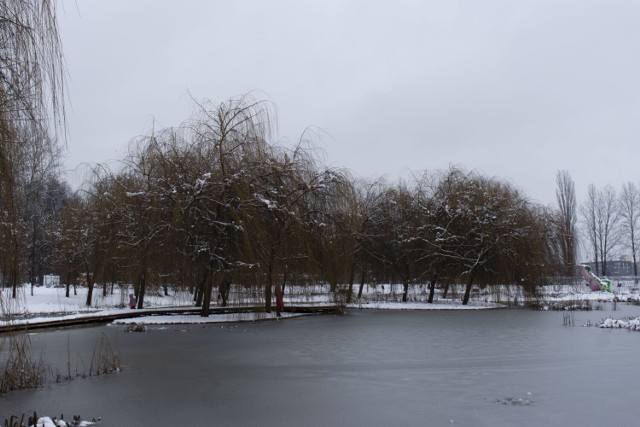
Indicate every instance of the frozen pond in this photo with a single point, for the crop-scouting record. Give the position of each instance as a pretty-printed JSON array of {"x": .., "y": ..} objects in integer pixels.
[{"x": 404, "y": 368}]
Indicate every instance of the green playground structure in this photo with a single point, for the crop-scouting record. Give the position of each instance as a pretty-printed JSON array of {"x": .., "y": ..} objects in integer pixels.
[{"x": 596, "y": 283}]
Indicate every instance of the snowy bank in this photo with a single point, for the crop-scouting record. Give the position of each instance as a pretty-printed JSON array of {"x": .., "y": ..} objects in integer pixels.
[
  {"x": 197, "y": 319},
  {"x": 632, "y": 324},
  {"x": 43, "y": 305}
]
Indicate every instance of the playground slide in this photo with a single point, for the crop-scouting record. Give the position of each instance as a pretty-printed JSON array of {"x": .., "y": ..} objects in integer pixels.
[{"x": 596, "y": 283}]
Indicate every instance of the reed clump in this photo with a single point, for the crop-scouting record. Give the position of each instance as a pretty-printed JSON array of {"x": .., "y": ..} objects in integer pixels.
[{"x": 21, "y": 369}]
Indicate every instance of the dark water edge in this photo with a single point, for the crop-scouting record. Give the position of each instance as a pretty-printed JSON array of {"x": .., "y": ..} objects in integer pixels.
[{"x": 370, "y": 368}]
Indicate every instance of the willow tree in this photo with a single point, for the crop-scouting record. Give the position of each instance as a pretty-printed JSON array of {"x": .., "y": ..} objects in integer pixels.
[
  {"x": 31, "y": 106},
  {"x": 396, "y": 229},
  {"x": 223, "y": 137},
  {"x": 180, "y": 195},
  {"x": 143, "y": 210},
  {"x": 432, "y": 190},
  {"x": 483, "y": 229},
  {"x": 95, "y": 228},
  {"x": 362, "y": 223},
  {"x": 330, "y": 226}
]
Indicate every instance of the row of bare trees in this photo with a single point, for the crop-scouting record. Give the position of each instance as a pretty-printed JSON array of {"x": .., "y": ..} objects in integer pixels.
[{"x": 609, "y": 223}]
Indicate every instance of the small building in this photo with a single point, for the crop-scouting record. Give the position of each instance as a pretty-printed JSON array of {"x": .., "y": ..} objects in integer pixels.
[
  {"x": 615, "y": 268},
  {"x": 51, "y": 280}
]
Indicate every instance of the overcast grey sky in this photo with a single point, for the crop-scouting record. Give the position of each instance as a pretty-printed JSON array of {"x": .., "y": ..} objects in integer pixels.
[{"x": 514, "y": 89}]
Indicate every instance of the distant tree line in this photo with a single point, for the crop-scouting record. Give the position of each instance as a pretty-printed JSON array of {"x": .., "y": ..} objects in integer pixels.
[
  {"x": 606, "y": 224},
  {"x": 214, "y": 202},
  {"x": 610, "y": 224}
]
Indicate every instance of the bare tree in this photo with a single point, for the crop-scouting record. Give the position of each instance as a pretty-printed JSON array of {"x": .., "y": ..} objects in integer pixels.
[
  {"x": 608, "y": 229},
  {"x": 601, "y": 217},
  {"x": 630, "y": 219},
  {"x": 589, "y": 211}
]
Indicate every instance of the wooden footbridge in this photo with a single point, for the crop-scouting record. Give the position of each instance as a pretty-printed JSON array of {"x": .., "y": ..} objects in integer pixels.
[{"x": 98, "y": 317}]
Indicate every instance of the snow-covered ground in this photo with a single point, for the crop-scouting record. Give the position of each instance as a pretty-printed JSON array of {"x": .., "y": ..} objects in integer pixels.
[
  {"x": 42, "y": 304},
  {"x": 632, "y": 324},
  {"x": 53, "y": 422}
]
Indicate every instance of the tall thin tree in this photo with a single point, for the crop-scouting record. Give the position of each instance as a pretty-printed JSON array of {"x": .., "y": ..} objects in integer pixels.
[
  {"x": 566, "y": 222},
  {"x": 608, "y": 228},
  {"x": 630, "y": 219},
  {"x": 589, "y": 213}
]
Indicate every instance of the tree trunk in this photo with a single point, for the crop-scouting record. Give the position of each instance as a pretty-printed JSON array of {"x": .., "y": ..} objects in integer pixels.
[
  {"x": 445, "y": 291},
  {"x": 361, "y": 282},
  {"x": 432, "y": 287},
  {"x": 89, "y": 289},
  {"x": 142, "y": 290},
  {"x": 268, "y": 289},
  {"x": 224, "y": 289},
  {"x": 14, "y": 285},
  {"x": 206, "y": 298},
  {"x": 405, "y": 290},
  {"x": 352, "y": 274},
  {"x": 467, "y": 291},
  {"x": 68, "y": 286},
  {"x": 14, "y": 276},
  {"x": 269, "y": 285},
  {"x": 198, "y": 297},
  {"x": 32, "y": 269},
  {"x": 285, "y": 277}
]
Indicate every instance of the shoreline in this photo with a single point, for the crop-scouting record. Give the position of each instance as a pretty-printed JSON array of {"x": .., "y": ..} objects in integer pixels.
[{"x": 50, "y": 308}]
